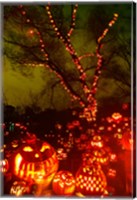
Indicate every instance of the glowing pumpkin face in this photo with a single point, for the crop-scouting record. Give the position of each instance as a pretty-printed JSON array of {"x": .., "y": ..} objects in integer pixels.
[
  {"x": 90, "y": 180},
  {"x": 99, "y": 156},
  {"x": 97, "y": 142},
  {"x": 4, "y": 166},
  {"x": 117, "y": 117},
  {"x": 14, "y": 144},
  {"x": 19, "y": 188},
  {"x": 63, "y": 183},
  {"x": 36, "y": 162}
]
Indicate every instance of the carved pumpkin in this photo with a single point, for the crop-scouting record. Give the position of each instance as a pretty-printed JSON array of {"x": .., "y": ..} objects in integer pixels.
[
  {"x": 99, "y": 156},
  {"x": 35, "y": 162},
  {"x": 97, "y": 142},
  {"x": 117, "y": 117},
  {"x": 63, "y": 183},
  {"x": 90, "y": 180},
  {"x": 15, "y": 143},
  {"x": 4, "y": 165},
  {"x": 19, "y": 188}
]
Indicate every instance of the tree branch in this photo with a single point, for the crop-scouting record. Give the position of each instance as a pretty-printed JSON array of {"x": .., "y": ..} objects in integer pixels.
[
  {"x": 70, "y": 49},
  {"x": 73, "y": 19}
]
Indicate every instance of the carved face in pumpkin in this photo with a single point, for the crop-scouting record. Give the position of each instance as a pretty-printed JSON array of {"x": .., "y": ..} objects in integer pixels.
[
  {"x": 4, "y": 166},
  {"x": 97, "y": 142},
  {"x": 19, "y": 188},
  {"x": 35, "y": 162},
  {"x": 63, "y": 183},
  {"x": 99, "y": 156}
]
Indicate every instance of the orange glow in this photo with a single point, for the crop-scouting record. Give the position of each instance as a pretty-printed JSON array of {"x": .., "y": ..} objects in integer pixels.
[
  {"x": 115, "y": 15},
  {"x": 14, "y": 143},
  {"x": 118, "y": 135},
  {"x": 119, "y": 130},
  {"x": 18, "y": 160},
  {"x": 36, "y": 155},
  {"x": 27, "y": 149},
  {"x": 94, "y": 178},
  {"x": 113, "y": 157},
  {"x": 31, "y": 31},
  {"x": 64, "y": 183},
  {"x": 28, "y": 169},
  {"x": 17, "y": 124},
  {"x": 109, "y": 128},
  {"x": 112, "y": 173},
  {"x": 94, "y": 185},
  {"x": 117, "y": 116},
  {"x": 126, "y": 124},
  {"x": 4, "y": 165},
  {"x": 63, "y": 176},
  {"x": 19, "y": 188},
  {"x": 21, "y": 173},
  {"x": 131, "y": 141},
  {"x": 87, "y": 188},
  {"x": 81, "y": 186},
  {"x": 84, "y": 184},
  {"x": 101, "y": 128}
]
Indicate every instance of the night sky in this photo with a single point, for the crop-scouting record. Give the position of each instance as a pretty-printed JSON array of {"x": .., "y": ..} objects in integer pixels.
[{"x": 25, "y": 85}]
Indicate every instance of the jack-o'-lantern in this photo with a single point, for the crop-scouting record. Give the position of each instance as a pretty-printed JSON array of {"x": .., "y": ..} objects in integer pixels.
[
  {"x": 4, "y": 165},
  {"x": 117, "y": 117},
  {"x": 111, "y": 173},
  {"x": 90, "y": 180},
  {"x": 99, "y": 156},
  {"x": 35, "y": 162},
  {"x": 63, "y": 183},
  {"x": 15, "y": 143},
  {"x": 97, "y": 142},
  {"x": 19, "y": 188}
]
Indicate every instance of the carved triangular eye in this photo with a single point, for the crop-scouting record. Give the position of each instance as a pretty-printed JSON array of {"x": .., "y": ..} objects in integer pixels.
[
  {"x": 44, "y": 147},
  {"x": 27, "y": 149}
]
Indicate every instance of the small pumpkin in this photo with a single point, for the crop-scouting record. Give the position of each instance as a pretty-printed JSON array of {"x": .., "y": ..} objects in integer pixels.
[
  {"x": 97, "y": 142},
  {"x": 117, "y": 117},
  {"x": 4, "y": 166},
  {"x": 63, "y": 183},
  {"x": 19, "y": 188}
]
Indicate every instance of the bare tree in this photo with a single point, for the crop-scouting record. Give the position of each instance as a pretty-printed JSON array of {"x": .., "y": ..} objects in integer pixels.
[{"x": 42, "y": 36}]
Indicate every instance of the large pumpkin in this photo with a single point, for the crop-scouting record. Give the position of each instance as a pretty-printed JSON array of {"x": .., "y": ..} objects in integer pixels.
[
  {"x": 35, "y": 162},
  {"x": 63, "y": 183},
  {"x": 90, "y": 180}
]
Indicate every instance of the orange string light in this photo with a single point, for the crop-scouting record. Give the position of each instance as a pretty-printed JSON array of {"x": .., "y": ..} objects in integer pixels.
[{"x": 90, "y": 94}]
